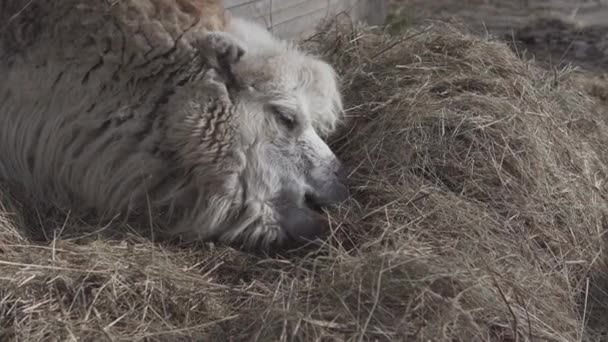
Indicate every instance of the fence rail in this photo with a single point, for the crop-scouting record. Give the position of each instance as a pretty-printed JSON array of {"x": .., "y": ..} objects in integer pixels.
[{"x": 297, "y": 18}]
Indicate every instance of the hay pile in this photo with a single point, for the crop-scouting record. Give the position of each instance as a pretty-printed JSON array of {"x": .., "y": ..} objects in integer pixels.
[{"x": 478, "y": 214}]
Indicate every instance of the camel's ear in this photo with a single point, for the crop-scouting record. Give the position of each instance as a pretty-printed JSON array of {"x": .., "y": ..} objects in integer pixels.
[
  {"x": 328, "y": 114},
  {"x": 220, "y": 50}
]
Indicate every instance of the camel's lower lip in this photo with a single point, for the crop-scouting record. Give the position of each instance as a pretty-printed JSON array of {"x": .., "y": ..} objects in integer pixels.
[{"x": 302, "y": 224}]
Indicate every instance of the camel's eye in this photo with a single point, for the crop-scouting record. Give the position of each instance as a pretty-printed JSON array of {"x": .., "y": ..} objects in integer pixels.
[{"x": 285, "y": 117}]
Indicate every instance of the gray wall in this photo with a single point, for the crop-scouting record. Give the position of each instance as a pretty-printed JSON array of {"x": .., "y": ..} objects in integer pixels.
[{"x": 297, "y": 18}]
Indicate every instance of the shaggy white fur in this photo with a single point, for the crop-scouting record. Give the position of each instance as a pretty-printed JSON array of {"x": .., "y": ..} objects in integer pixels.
[{"x": 121, "y": 112}]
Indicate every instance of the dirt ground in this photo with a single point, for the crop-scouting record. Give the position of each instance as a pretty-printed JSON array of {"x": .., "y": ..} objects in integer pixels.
[{"x": 554, "y": 31}]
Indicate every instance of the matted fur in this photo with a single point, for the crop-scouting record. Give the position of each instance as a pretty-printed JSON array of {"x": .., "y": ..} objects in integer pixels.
[{"x": 120, "y": 108}]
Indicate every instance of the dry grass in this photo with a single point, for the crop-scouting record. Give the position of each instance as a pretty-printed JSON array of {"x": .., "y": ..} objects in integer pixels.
[{"x": 478, "y": 214}]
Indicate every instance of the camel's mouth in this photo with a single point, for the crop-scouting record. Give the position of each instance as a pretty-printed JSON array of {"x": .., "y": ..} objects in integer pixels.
[{"x": 308, "y": 222}]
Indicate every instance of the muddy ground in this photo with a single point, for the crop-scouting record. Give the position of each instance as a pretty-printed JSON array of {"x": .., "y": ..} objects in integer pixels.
[{"x": 556, "y": 32}]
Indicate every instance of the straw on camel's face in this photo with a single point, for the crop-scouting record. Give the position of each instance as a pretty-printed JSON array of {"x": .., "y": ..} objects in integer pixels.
[{"x": 287, "y": 102}]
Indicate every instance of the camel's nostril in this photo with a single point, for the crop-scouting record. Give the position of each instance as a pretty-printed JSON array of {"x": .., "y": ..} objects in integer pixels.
[
  {"x": 332, "y": 190},
  {"x": 340, "y": 192},
  {"x": 312, "y": 202},
  {"x": 341, "y": 172},
  {"x": 334, "y": 194}
]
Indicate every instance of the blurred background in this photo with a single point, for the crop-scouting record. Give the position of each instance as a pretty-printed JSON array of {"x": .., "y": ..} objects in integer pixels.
[{"x": 555, "y": 31}]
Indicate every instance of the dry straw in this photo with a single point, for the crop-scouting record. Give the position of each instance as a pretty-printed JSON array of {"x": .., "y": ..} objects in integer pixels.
[{"x": 478, "y": 212}]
